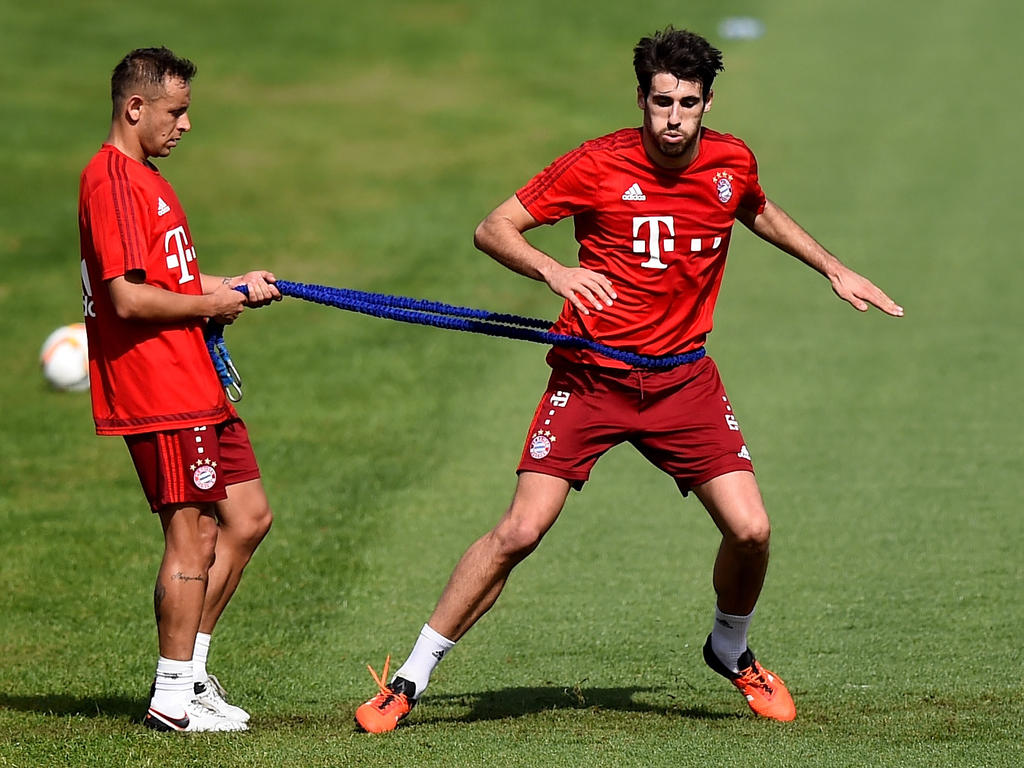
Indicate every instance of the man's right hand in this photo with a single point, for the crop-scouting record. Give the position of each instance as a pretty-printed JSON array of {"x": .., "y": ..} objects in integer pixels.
[
  {"x": 226, "y": 304},
  {"x": 581, "y": 287}
]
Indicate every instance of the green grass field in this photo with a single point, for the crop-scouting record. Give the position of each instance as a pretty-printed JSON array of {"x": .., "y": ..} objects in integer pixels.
[{"x": 359, "y": 147}]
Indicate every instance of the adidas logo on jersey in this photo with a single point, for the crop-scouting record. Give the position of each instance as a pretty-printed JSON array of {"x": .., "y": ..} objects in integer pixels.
[
  {"x": 634, "y": 193},
  {"x": 162, "y": 207}
]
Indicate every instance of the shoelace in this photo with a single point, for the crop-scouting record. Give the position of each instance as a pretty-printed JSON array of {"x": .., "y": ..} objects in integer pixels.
[
  {"x": 758, "y": 676},
  {"x": 388, "y": 694},
  {"x": 218, "y": 689},
  {"x": 214, "y": 694}
]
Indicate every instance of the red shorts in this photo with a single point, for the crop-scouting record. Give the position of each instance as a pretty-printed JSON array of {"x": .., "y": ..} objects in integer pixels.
[
  {"x": 679, "y": 419},
  {"x": 192, "y": 465}
]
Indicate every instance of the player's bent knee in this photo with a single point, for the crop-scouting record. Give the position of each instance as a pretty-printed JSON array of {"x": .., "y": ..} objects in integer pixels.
[
  {"x": 262, "y": 523},
  {"x": 515, "y": 542},
  {"x": 753, "y": 535},
  {"x": 207, "y": 552},
  {"x": 196, "y": 557},
  {"x": 254, "y": 528}
]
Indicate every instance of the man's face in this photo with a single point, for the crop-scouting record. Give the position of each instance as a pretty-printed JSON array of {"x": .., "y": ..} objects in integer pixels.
[
  {"x": 163, "y": 117},
  {"x": 673, "y": 111}
]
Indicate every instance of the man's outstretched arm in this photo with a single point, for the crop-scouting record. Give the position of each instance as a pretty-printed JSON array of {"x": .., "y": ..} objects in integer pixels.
[{"x": 775, "y": 226}]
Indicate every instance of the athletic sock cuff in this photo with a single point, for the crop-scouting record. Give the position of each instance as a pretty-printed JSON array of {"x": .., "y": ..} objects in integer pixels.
[
  {"x": 720, "y": 614},
  {"x": 436, "y": 637}
]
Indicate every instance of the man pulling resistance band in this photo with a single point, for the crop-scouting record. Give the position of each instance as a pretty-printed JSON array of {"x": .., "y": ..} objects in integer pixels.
[{"x": 653, "y": 209}]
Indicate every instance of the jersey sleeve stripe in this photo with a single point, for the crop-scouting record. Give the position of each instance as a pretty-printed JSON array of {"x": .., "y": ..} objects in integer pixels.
[
  {"x": 124, "y": 211},
  {"x": 620, "y": 141},
  {"x": 529, "y": 194}
]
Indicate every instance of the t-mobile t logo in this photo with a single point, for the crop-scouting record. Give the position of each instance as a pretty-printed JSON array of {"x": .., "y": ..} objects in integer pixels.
[
  {"x": 654, "y": 245},
  {"x": 179, "y": 256}
]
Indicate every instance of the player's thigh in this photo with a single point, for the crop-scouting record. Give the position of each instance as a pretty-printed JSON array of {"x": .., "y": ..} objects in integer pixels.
[
  {"x": 245, "y": 514},
  {"x": 536, "y": 505},
  {"x": 190, "y": 530},
  {"x": 246, "y": 509},
  {"x": 734, "y": 502}
]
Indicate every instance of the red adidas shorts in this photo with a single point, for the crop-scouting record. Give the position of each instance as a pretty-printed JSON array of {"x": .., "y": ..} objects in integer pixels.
[
  {"x": 679, "y": 419},
  {"x": 192, "y": 465}
]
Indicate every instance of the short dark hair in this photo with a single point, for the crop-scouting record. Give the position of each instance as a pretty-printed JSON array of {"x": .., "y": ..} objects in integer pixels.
[
  {"x": 677, "y": 52},
  {"x": 147, "y": 67}
]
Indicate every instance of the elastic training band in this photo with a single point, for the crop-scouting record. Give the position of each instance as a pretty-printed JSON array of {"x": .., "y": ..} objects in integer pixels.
[{"x": 436, "y": 315}]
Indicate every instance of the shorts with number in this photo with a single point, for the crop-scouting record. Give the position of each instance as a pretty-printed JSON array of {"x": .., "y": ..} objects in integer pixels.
[
  {"x": 680, "y": 420},
  {"x": 192, "y": 465}
]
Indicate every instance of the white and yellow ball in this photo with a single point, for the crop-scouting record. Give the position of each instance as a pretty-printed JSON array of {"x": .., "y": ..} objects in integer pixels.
[{"x": 64, "y": 358}]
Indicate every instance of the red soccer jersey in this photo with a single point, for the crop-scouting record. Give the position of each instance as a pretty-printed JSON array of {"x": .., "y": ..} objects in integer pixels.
[
  {"x": 659, "y": 235},
  {"x": 145, "y": 377}
]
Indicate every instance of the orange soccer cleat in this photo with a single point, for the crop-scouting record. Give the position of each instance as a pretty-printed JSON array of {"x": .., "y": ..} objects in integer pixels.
[
  {"x": 383, "y": 712},
  {"x": 764, "y": 691}
]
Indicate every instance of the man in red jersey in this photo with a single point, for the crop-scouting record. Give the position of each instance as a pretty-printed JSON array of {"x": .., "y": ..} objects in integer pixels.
[
  {"x": 653, "y": 210},
  {"x": 146, "y": 304}
]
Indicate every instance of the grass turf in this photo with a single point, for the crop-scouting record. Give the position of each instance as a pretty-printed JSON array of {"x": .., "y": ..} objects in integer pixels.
[{"x": 359, "y": 147}]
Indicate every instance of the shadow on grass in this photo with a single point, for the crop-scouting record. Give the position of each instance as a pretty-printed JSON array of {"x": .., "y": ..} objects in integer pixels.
[
  {"x": 518, "y": 702},
  {"x": 57, "y": 704},
  {"x": 436, "y": 709}
]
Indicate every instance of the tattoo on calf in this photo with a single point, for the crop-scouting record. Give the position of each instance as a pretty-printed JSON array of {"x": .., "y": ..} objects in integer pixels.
[
  {"x": 182, "y": 577},
  {"x": 158, "y": 597}
]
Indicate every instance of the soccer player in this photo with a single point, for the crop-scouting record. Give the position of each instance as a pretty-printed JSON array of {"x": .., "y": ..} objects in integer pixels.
[
  {"x": 653, "y": 209},
  {"x": 146, "y": 304}
]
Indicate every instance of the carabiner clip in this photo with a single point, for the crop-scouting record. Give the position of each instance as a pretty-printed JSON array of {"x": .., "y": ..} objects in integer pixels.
[{"x": 229, "y": 377}]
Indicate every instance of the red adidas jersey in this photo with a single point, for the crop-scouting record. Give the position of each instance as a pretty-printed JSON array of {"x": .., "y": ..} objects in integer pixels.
[
  {"x": 145, "y": 377},
  {"x": 659, "y": 235}
]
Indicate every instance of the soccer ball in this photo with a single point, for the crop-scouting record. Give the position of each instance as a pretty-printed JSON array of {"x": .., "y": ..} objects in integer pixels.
[{"x": 64, "y": 358}]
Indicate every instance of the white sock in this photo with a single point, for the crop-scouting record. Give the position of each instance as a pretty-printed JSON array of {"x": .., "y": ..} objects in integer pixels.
[
  {"x": 729, "y": 637},
  {"x": 199, "y": 655},
  {"x": 172, "y": 689},
  {"x": 430, "y": 648}
]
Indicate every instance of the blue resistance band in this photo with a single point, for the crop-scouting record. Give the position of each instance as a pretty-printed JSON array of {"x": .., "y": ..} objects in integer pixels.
[{"x": 437, "y": 315}]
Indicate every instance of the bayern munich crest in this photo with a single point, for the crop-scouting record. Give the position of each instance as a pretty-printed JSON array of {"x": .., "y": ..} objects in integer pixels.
[
  {"x": 204, "y": 474},
  {"x": 723, "y": 186},
  {"x": 540, "y": 443}
]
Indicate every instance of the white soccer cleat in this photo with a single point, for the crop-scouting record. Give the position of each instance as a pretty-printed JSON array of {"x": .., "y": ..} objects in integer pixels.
[
  {"x": 198, "y": 719},
  {"x": 212, "y": 695}
]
